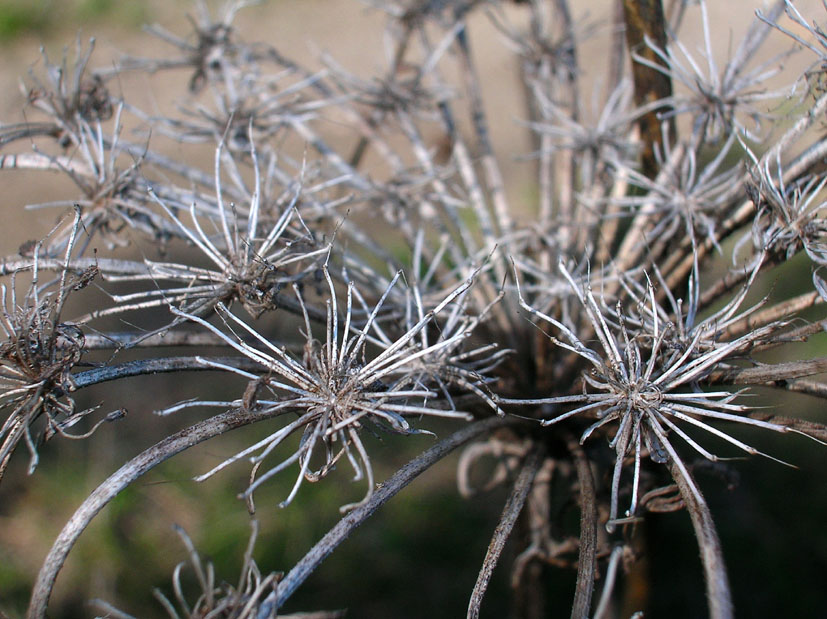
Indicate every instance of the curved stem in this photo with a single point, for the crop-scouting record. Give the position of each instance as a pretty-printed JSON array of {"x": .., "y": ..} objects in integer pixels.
[
  {"x": 134, "y": 339},
  {"x": 157, "y": 366},
  {"x": 717, "y": 583},
  {"x": 119, "y": 480},
  {"x": 352, "y": 520},
  {"x": 511, "y": 510}
]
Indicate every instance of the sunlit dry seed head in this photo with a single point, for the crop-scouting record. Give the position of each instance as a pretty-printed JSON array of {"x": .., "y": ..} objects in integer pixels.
[
  {"x": 244, "y": 600},
  {"x": 35, "y": 364},
  {"x": 607, "y": 140},
  {"x": 71, "y": 95},
  {"x": 687, "y": 198},
  {"x": 341, "y": 385},
  {"x": 644, "y": 378},
  {"x": 791, "y": 216},
  {"x": 253, "y": 258},
  {"x": 81, "y": 138},
  {"x": 36, "y": 358},
  {"x": 728, "y": 100}
]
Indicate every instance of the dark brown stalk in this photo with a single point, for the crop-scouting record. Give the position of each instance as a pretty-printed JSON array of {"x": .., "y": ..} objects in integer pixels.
[
  {"x": 717, "y": 582},
  {"x": 587, "y": 561},
  {"x": 143, "y": 367},
  {"x": 770, "y": 373},
  {"x": 645, "y": 20}
]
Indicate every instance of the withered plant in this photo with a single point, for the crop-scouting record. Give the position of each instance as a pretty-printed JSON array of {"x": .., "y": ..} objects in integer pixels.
[{"x": 594, "y": 344}]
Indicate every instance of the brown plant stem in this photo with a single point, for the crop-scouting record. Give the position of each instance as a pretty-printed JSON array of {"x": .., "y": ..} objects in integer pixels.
[
  {"x": 157, "y": 366},
  {"x": 779, "y": 311},
  {"x": 511, "y": 510},
  {"x": 770, "y": 373},
  {"x": 587, "y": 561},
  {"x": 120, "y": 479},
  {"x": 644, "y": 20},
  {"x": 717, "y": 582},
  {"x": 339, "y": 533}
]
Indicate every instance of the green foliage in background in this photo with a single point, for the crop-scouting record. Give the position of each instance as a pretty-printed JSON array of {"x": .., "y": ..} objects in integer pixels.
[{"x": 40, "y": 18}]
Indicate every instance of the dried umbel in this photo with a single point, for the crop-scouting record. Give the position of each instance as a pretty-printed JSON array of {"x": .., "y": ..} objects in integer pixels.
[
  {"x": 337, "y": 388},
  {"x": 354, "y": 254},
  {"x": 641, "y": 378},
  {"x": 36, "y": 361},
  {"x": 38, "y": 355},
  {"x": 247, "y": 599}
]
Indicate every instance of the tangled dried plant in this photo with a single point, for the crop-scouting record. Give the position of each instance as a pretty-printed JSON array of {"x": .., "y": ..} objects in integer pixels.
[{"x": 586, "y": 347}]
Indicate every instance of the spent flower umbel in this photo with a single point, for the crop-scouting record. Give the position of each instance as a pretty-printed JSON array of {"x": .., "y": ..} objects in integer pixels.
[
  {"x": 645, "y": 375},
  {"x": 338, "y": 388}
]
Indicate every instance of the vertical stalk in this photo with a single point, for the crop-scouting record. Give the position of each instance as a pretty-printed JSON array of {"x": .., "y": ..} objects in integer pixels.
[
  {"x": 644, "y": 20},
  {"x": 717, "y": 582}
]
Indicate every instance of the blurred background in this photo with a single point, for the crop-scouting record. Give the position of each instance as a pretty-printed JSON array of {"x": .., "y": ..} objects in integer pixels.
[{"x": 420, "y": 554}]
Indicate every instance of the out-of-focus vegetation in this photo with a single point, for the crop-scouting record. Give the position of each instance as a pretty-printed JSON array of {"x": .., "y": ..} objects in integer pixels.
[{"x": 45, "y": 18}]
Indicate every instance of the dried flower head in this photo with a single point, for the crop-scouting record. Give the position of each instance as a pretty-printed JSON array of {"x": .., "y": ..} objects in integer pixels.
[
  {"x": 717, "y": 100},
  {"x": 645, "y": 377},
  {"x": 252, "y": 265},
  {"x": 38, "y": 356},
  {"x": 337, "y": 387}
]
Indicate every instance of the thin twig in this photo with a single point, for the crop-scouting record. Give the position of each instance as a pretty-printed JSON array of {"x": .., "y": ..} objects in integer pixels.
[
  {"x": 770, "y": 373},
  {"x": 164, "y": 365},
  {"x": 119, "y": 480},
  {"x": 339, "y": 533},
  {"x": 587, "y": 561},
  {"x": 511, "y": 510},
  {"x": 717, "y": 583}
]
